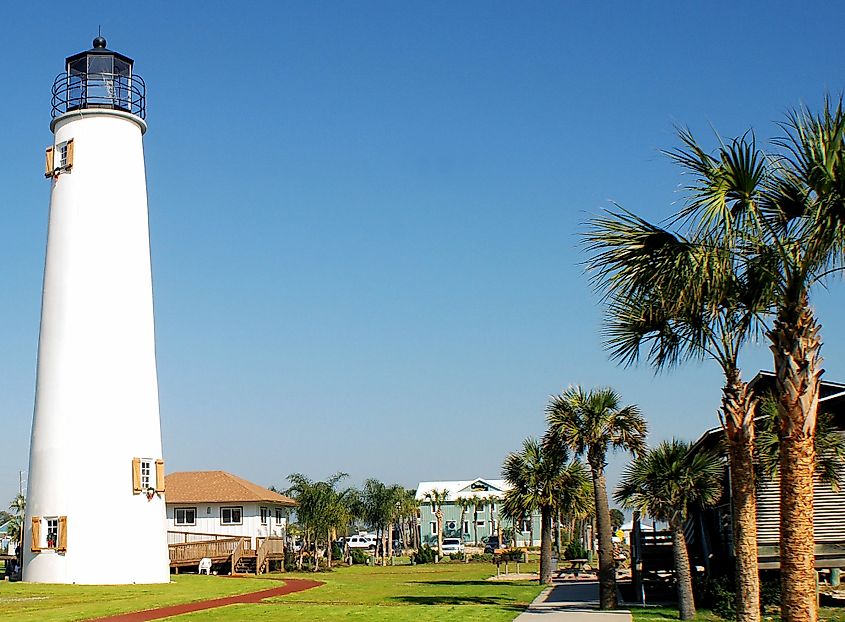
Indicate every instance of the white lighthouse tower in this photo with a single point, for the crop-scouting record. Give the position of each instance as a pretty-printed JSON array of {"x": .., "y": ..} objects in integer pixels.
[{"x": 95, "y": 498}]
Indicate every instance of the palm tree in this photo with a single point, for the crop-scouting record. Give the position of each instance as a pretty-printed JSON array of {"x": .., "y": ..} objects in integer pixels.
[
  {"x": 665, "y": 482},
  {"x": 790, "y": 209},
  {"x": 679, "y": 298},
  {"x": 540, "y": 476},
  {"x": 321, "y": 511},
  {"x": 464, "y": 503},
  {"x": 589, "y": 424},
  {"x": 437, "y": 498}
]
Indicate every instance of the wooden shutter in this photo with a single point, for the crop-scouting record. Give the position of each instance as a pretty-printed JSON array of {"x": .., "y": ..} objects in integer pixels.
[
  {"x": 35, "y": 544},
  {"x": 136, "y": 475},
  {"x": 69, "y": 164},
  {"x": 62, "y": 534},
  {"x": 48, "y": 163},
  {"x": 159, "y": 475}
]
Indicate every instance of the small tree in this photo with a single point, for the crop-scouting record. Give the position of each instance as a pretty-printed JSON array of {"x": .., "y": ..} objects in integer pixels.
[
  {"x": 437, "y": 498},
  {"x": 665, "y": 482}
]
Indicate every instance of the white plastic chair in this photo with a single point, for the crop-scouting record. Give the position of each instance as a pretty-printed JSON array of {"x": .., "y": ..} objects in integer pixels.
[{"x": 205, "y": 565}]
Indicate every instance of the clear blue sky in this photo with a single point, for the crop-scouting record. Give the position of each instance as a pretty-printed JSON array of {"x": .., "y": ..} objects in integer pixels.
[{"x": 365, "y": 216}]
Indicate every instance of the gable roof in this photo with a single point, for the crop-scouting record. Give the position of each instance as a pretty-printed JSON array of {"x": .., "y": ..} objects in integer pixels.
[
  {"x": 217, "y": 487},
  {"x": 465, "y": 488}
]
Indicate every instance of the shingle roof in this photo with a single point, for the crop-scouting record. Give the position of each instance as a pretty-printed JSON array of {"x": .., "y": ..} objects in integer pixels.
[{"x": 217, "y": 487}]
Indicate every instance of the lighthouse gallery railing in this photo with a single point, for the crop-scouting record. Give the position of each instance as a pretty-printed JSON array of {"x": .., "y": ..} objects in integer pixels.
[{"x": 99, "y": 90}]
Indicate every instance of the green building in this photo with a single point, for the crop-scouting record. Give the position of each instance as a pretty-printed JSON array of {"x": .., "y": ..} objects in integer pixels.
[{"x": 471, "y": 511}]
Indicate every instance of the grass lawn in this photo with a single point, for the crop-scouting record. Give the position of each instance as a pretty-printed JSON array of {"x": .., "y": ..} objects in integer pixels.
[
  {"x": 665, "y": 614},
  {"x": 62, "y": 603},
  {"x": 447, "y": 591}
]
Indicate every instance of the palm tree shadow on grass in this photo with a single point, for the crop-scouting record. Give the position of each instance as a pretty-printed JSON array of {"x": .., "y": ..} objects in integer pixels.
[
  {"x": 498, "y": 584},
  {"x": 496, "y": 601}
]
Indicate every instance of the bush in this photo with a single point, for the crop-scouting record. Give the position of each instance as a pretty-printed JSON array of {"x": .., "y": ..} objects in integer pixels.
[
  {"x": 575, "y": 550},
  {"x": 358, "y": 556},
  {"x": 770, "y": 592},
  {"x": 425, "y": 555},
  {"x": 337, "y": 552},
  {"x": 455, "y": 556},
  {"x": 716, "y": 594},
  {"x": 482, "y": 557}
]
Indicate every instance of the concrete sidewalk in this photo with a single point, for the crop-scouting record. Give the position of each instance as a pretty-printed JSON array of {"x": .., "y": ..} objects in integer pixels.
[{"x": 570, "y": 601}]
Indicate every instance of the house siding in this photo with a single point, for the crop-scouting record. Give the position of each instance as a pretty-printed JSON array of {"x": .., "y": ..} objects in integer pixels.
[
  {"x": 452, "y": 514},
  {"x": 827, "y": 513},
  {"x": 208, "y": 521}
]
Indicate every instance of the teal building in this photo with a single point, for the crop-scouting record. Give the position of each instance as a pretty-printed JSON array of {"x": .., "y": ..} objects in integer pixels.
[{"x": 471, "y": 511}]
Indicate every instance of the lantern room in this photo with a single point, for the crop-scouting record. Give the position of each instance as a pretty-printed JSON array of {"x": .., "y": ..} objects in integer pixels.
[{"x": 99, "y": 78}]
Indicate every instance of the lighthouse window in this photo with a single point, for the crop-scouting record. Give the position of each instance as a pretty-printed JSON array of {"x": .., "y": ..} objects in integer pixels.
[
  {"x": 52, "y": 532},
  {"x": 64, "y": 155},
  {"x": 231, "y": 516},
  {"x": 146, "y": 473}
]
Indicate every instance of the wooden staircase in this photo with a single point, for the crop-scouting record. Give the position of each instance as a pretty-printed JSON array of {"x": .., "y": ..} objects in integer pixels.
[{"x": 237, "y": 551}]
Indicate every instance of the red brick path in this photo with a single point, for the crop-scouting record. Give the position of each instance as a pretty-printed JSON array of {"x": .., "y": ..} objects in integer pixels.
[{"x": 290, "y": 586}]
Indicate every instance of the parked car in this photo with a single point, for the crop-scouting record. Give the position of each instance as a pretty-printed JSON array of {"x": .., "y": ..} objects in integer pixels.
[
  {"x": 492, "y": 544},
  {"x": 361, "y": 542},
  {"x": 452, "y": 545}
]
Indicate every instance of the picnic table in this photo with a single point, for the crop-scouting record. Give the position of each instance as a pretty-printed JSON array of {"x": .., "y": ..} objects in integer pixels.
[{"x": 577, "y": 565}]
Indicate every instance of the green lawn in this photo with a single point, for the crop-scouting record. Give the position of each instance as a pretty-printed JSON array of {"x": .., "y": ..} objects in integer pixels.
[{"x": 447, "y": 591}]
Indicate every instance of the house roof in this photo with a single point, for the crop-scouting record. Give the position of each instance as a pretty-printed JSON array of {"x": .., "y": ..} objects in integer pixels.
[
  {"x": 478, "y": 488},
  {"x": 217, "y": 487}
]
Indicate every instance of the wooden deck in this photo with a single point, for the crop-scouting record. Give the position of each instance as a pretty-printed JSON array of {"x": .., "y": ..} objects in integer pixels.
[{"x": 220, "y": 549}]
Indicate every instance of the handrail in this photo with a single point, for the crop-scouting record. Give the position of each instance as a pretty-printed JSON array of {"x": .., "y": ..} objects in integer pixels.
[
  {"x": 261, "y": 555},
  {"x": 194, "y": 551},
  {"x": 99, "y": 90},
  {"x": 198, "y": 534},
  {"x": 237, "y": 553}
]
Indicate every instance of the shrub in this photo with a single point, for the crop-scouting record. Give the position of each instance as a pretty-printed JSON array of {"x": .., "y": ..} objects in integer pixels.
[
  {"x": 359, "y": 556},
  {"x": 716, "y": 594},
  {"x": 425, "y": 555},
  {"x": 482, "y": 557},
  {"x": 770, "y": 592},
  {"x": 457, "y": 555},
  {"x": 575, "y": 550},
  {"x": 337, "y": 552}
]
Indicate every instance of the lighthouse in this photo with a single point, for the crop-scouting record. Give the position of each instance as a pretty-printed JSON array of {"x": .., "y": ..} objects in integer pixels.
[{"x": 95, "y": 497}]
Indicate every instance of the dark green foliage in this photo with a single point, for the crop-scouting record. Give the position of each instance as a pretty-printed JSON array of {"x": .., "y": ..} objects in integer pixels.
[
  {"x": 458, "y": 556},
  {"x": 716, "y": 594},
  {"x": 617, "y": 519},
  {"x": 358, "y": 556},
  {"x": 575, "y": 550},
  {"x": 482, "y": 557},
  {"x": 425, "y": 555},
  {"x": 770, "y": 592}
]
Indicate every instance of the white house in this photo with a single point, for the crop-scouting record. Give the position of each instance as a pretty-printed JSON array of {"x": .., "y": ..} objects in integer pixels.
[{"x": 216, "y": 503}]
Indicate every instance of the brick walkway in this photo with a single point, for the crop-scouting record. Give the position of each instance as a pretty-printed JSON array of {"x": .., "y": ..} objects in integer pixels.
[{"x": 290, "y": 586}]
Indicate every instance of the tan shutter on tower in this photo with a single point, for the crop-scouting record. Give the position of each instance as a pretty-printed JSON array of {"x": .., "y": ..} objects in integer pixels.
[
  {"x": 35, "y": 545},
  {"x": 69, "y": 164},
  {"x": 62, "y": 533},
  {"x": 48, "y": 163},
  {"x": 136, "y": 475},
  {"x": 159, "y": 475}
]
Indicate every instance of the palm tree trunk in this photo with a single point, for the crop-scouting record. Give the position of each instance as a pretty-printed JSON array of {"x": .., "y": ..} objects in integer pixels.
[
  {"x": 738, "y": 410},
  {"x": 475, "y": 524},
  {"x": 439, "y": 516},
  {"x": 530, "y": 529},
  {"x": 329, "y": 543},
  {"x": 683, "y": 574},
  {"x": 607, "y": 569},
  {"x": 545, "y": 545},
  {"x": 797, "y": 372}
]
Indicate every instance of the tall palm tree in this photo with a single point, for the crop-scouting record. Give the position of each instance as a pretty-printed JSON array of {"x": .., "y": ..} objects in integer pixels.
[
  {"x": 665, "y": 482},
  {"x": 589, "y": 424},
  {"x": 678, "y": 298},
  {"x": 464, "y": 503},
  {"x": 791, "y": 208},
  {"x": 321, "y": 510},
  {"x": 541, "y": 478},
  {"x": 437, "y": 498}
]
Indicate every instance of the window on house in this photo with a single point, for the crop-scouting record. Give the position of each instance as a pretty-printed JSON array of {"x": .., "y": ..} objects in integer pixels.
[
  {"x": 264, "y": 514},
  {"x": 466, "y": 527},
  {"x": 451, "y": 525},
  {"x": 433, "y": 527},
  {"x": 52, "y": 532},
  {"x": 186, "y": 516},
  {"x": 280, "y": 517},
  {"x": 231, "y": 516},
  {"x": 526, "y": 525},
  {"x": 480, "y": 523}
]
